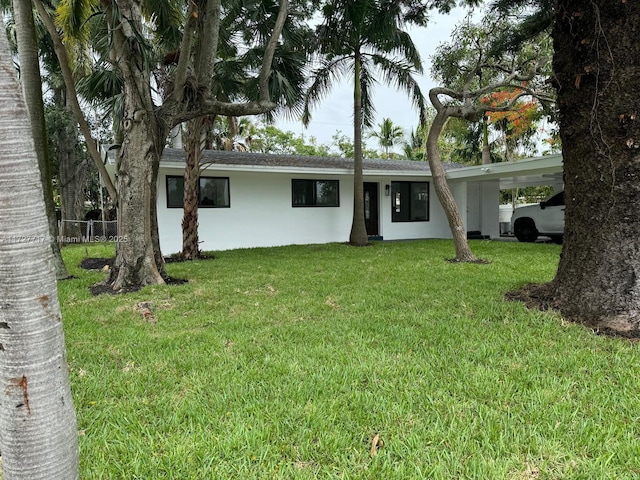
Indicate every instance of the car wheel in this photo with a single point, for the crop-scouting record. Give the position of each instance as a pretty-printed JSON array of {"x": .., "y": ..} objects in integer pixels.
[
  {"x": 525, "y": 230},
  {"x": 556, "y": 239}
]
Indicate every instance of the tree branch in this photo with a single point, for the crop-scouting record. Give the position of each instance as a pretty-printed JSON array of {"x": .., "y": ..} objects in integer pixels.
[
  {"x": 265, "y": 71},
  {"x": 185, "y": 53},
  {"x": 61, "y": 53},
  {"x": 208, "y": 42},
  {"x": 214, "y": 107}
]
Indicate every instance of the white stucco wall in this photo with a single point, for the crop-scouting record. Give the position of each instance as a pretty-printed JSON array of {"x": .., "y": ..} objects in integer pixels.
[
  {"x": 261, "y": 214},
  {"x": 474, "y": 216},
  {"x": 483, "y": 202},
  {"x": 490, "y": 208}
]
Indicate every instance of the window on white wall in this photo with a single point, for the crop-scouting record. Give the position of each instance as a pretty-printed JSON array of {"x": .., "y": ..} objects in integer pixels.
[
  {"x": 409, "y": 201},
  {"x": 315, "y": 193},
  {"x": 213, "y": 192}
]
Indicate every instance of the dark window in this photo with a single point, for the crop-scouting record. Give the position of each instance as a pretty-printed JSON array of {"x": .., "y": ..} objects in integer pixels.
[
  {"x": 175, "y": 192},
  {"x": 315, "y": 193},
  {"x": 213, "y": 192},
  {"x": 409, "y": 201}
]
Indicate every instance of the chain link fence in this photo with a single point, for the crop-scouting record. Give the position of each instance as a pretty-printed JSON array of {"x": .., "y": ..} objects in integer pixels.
[{"x": 87, "y": 231}]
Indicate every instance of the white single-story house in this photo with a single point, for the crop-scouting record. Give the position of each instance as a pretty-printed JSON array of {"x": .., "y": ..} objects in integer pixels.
[{"x": 264, "y": 200}]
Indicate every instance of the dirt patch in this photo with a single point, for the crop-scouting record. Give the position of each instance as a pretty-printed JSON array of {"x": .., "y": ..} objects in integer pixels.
[
  {"x": 477, "y": 261},
  {"x": 105, "y": 288}
]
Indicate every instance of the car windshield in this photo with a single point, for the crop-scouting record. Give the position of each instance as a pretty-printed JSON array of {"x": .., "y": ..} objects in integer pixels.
[{"x": 557, "y": 199}]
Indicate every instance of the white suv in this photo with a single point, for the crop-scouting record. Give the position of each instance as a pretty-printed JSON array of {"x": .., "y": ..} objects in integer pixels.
[{"x": 544, "y": 218}]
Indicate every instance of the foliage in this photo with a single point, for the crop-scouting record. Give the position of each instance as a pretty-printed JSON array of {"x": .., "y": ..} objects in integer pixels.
[
  {"x": 282, "y": 363},
  {"x": 342, "y": 145},
  {"x": 367, "y": 32},
  {"x": 526, "y": 194},
  {"x": 517, "y": 121},
  {"x": 388, "y": 135},
  {"x": 517, "y": 125},
  {"x": 269, "y": 139},
  {"x": 472, "y": 62}
]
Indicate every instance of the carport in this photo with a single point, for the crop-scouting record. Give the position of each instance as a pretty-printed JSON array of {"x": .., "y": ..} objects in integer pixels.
[{"x": 484, "y": 182}]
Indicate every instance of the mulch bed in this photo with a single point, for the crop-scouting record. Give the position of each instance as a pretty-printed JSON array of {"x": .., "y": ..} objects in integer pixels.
[{"x": 97, "y": 263}]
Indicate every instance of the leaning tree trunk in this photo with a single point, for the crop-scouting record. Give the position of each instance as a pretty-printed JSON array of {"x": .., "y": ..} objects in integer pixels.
[
  {"x": 32, "y": 88},
  {"x": 597, "y": 67},
  {"x": 38, "y": 431},
  {"x": 358, "y": 236},
  {"x": 447, "y": 200}
]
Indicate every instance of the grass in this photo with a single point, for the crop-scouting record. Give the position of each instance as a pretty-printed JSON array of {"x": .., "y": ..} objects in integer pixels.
[{"x": 284, "y": 363}]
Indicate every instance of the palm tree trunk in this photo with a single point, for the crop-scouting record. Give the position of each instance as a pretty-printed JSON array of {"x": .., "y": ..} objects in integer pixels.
[
  {"x": 73, "y": 172},
  {"x": 37, "y": 418},
  {"x": 32, "y": 88},
  {"x": 190, "y": 239},
  {"x": 486, "y": 149},
  {"x": 447, "y": 200},
  {"x": 358, "y": 236}
]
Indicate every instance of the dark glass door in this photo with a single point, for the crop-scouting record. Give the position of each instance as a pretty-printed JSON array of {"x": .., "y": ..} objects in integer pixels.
[{"x": 371, "y": 208}]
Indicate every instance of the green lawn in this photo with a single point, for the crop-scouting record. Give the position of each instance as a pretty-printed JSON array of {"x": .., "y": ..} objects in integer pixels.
[{"x": 284, "y": 363}]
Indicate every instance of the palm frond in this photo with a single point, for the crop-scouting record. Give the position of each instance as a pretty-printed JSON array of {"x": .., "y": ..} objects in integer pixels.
[
  {"x": 401, "y": 75},
  {"x": 72, "y": 15},
  {"x": 167, "y": 19},
  {"x": 322, "y": 79},
  {"x": 367, "y": 82}
]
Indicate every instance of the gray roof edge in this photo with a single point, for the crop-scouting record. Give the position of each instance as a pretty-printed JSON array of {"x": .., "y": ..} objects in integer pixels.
[{"x": 256, "y": 159}]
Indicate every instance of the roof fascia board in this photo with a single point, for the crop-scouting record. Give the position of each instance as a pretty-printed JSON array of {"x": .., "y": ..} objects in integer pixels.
[{"x": 536, "y": 165}]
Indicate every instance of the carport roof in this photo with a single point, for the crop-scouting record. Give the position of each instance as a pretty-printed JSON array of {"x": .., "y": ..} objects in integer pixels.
[{"x": 546, "y": 170}]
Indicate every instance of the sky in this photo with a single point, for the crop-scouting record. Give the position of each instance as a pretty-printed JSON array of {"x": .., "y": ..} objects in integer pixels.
[{"x": 336, "y": 110}]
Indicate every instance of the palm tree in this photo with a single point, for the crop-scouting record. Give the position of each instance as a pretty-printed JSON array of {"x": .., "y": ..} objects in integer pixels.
[
  {"x": 388, "y": 135},
  {"x": 39, "y": 431},
  {"x": 32, "y": 88},
  {"x": 357, "y": 39},
  {"x": 130, "y": 28},
  {"x": 230, "y": 82}
]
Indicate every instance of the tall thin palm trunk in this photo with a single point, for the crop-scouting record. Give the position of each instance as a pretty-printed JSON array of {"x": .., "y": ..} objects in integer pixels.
[
  {"x": 190, "y": 238},
  {"x": 32, "y": 88},
  {"x": 38, "y": 431},
  {"x": 358, "y": 235}
]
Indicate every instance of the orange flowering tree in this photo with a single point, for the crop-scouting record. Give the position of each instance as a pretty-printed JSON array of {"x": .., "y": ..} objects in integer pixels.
[{"x": 516, "y": 124}]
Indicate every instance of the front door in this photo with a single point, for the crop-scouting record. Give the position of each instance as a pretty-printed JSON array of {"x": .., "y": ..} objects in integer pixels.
[{"x": 371, "y": 208}]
